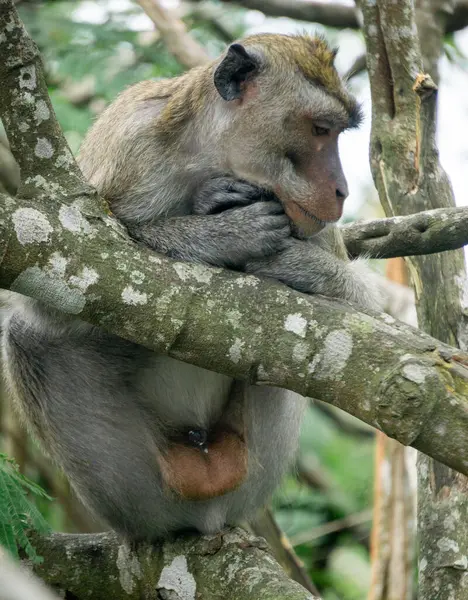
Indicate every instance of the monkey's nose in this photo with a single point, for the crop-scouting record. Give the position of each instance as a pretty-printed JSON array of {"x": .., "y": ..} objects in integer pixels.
[{"x": 342, "y": 192}]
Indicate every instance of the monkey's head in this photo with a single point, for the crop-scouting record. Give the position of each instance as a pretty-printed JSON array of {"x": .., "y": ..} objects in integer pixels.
[{"x": 284, "y": 106}]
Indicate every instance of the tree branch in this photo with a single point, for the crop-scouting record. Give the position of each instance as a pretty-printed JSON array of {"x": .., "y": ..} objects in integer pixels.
[
  {"x": 329, "y": 14},
  {"x": 186, "y": 567},
  {"x": 341, "y": 16},
  {"x": 35, "y": 137},
  {"x": 57, "y": 253},
  {"x": 422, "y": 233},
  {"x": 174, "y": 34}
]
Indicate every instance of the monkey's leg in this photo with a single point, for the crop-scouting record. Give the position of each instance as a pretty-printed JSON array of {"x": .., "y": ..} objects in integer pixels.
[{"x": 74, "y": 386}]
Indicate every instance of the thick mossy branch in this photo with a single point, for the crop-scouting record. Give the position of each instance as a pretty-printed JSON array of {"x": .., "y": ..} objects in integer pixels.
[
  {"x": 249, "y": 328},
  {"x": 231, "y": 565}
]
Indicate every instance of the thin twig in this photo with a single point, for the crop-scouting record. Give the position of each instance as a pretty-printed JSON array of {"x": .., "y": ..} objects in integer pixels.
[
  {"x": 306, "y": 537},
  {"x": 174, "y": 34}
]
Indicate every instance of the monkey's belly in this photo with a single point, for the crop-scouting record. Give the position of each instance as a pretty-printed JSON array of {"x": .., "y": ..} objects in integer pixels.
[{"x": 196, "y": 475}]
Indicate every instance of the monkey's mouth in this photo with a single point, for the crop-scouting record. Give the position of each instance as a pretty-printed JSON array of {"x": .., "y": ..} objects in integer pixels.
[
  {"x": 311, "y": 216},
  {"x": 307, "y": 223}
]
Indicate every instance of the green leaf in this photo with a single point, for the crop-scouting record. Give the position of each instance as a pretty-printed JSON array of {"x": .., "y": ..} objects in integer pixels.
[{"x": 18, "y": 514}]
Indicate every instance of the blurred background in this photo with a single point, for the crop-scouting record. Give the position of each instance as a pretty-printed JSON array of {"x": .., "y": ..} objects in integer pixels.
[{"x": 94, "y": 49}]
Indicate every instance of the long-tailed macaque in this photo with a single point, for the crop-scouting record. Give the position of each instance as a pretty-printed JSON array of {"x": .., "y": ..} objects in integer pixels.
[{"x": 232, "y": 164}]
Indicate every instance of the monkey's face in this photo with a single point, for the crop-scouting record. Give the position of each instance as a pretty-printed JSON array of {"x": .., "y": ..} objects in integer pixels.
[{"x": 284, "y": 131}]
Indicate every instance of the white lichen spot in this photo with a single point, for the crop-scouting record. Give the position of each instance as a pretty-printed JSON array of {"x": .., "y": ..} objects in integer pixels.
[
  {"x": 42, "y": 112},
  {"x": 447, "y": 545},
  {"x": 137, "y": 277},
  {"x": 423, "y": 470},
  {"x": 2, "y": 38},
  {"x": 64, "y": 160},
  {"x": 300, "y": 351},
  {"x": 86, "y": 278},
  {"x": 247, "y": 280},
  {"x": 416, "y": 373},
  {"x": 282, "y": 297},
  {"x": 155, "y": 260},
  {"x": 235, "y": 350},
  {"x": 104, "y": 255},
  {"x": 296, "y": 323},
  {"x": 262, "y": 373},
  {"x": 31, "y": 226},
  {"x": 178, "y": 323},
  {"x": 312, "y": 366},
  {"x": 366, "y": 405},
  {"x": 422, "y": 565},
  {"x": 388, "y": 319},
  {"x": 28, "y": 98},
  {"x": 450, "y": 524},
  {"x": 336, "y": 350},
  {"x": 440, "y": 429},
  {"x": 233, "y": 317},
  {"x": 129, "y": 568},
  {"x": 44, "y": 148},
  {"x": 57, "y": 264},
  {"x": 27, "y": 77},
  {"x": 134, "y": 297},
  {"x": 461, "y": 563},
  {"x": 23, "y": 127},
  {"x": 72, "y": 219},
  {"x": 177, "y": 578},
  {"x": 193, "y": 271}
]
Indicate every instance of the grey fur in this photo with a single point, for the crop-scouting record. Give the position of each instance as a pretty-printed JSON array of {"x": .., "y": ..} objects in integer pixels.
[{"x": 101, "y": 406}]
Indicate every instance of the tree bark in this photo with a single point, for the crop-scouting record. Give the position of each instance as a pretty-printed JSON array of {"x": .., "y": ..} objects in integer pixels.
[
  {"x": 425, "y": 232},
  {"x": 232, "y": 565},
  {"x": 409, "y": 178}
]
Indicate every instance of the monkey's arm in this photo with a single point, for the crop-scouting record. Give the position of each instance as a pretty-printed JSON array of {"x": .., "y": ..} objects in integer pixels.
[
  {"x": 227, "y": 239},
  {"x": 308, "y": 267}
]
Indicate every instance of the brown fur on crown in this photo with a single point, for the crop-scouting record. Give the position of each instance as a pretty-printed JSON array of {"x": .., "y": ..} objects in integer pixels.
[{"x": 310, "y": 55}]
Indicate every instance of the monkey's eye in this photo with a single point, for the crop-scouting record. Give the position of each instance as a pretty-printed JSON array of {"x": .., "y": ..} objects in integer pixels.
[{"x": 316, "y": 130}]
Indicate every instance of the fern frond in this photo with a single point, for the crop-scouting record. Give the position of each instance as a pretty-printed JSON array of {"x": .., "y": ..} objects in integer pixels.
[{"x": 18, "y": 514}]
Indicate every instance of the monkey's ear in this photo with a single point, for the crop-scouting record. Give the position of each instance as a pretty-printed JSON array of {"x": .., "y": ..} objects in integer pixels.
[{"x": 233, "y": 71}]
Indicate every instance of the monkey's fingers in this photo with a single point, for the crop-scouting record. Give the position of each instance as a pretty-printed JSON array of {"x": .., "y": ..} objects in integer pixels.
[{"x": 224, "y": 193}]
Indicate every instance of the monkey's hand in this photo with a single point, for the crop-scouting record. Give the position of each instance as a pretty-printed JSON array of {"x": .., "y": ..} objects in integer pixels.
[
  {"x": 308, "y": 268},
  {"x": 223, "y": 193}
]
